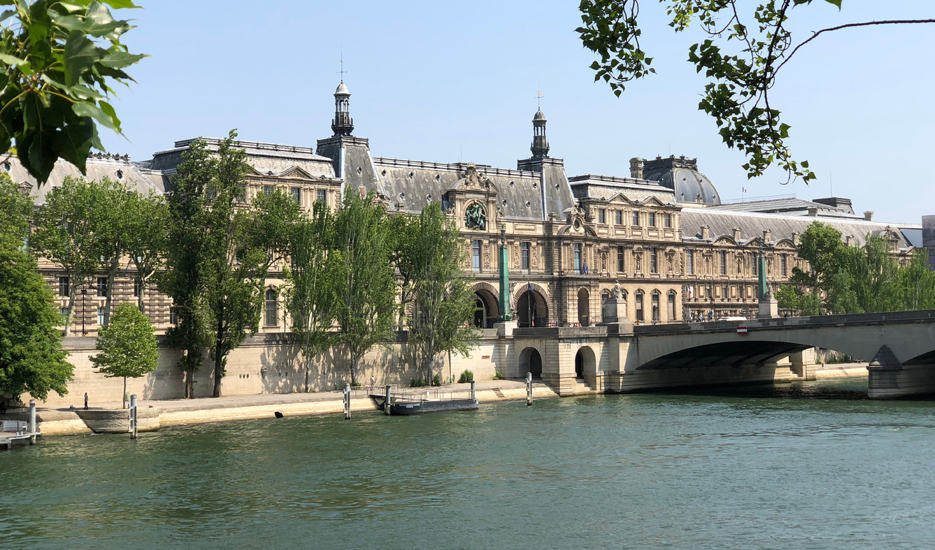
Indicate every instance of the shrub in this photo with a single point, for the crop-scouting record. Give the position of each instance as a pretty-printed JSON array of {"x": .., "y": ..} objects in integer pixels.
[
  {"x": 497, "y": 376},
  {"x": 417, "y": 383},
  {"x": 436, "y": 380},
  {"x": 466, "y": 376}
]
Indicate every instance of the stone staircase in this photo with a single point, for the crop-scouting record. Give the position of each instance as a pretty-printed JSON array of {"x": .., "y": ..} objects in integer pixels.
[{"x": 582, "y": 387}]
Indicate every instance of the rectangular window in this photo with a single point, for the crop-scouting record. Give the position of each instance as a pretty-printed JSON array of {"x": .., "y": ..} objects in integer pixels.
[
  {"x": 690, "y": 262},
  {"x": 671, "y": 311},
  {"x": 619, "y": 217},
  {"x": 102, "y": 287},
  {"x": 137, "y": 286},
  {"x": 668, "y": 220},
  {"x": 267, "y": 189},
  {"x": 652, "y": 219},
  {"x": 655, "y": 301},
  {"x": 322, "y": 195},
  {"x": 636, "y": 218},
  {"x": 782, "y": 264},
  {"x": 475, "y": 255},
  {"x": 723, "y": 263},
  {"x": 296, "y": 195},
  {"x": 639, "y": 306},
  {"x": 726, "y": 292},
  {"x": 753, "y": 264},
  {"x": 63, "y": 286},
  {"x": 101, "y": 316},
  {"x": 173, "y": 315},
  {"x": 272, "y": 309},
  {"x": 619, "y": 259},
  {"x": 578, "y": 257},
  {"x": 524, "y": 252},
  {"x": 652, "y": 260},
  {"x": 601, "y": 215}
]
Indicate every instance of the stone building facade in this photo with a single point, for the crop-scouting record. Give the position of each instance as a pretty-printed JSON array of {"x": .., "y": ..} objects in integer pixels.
[{"x": 662, "y": 233}]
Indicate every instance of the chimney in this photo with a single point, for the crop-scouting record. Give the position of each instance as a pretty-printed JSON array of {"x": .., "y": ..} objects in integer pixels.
[
  {"x": 813, "y": 211},
  {"x": 795, "y": 238},
  {"x": 704, "y": 232},
  {"x": 847, "y": 240},
  {"x": 736, "y": 234},
  {"x": 868, "y": 215},
  {"x": 636, "y": 168},
  {"x": 766, "y": 236}
]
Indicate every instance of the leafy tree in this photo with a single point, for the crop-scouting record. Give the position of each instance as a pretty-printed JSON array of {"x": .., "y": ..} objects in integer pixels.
[
  {"x": 58, "y": 63},
  {"x": 64, "y": 234},
  {"x": 313, "y": 274},
  {"x": 403, "y": 230},
  {"x": 917, "y": 283},
  {"x": 276, "y": 213},
  {"x": 740, "y": 57},
  {"x": 186, "y": 242},
  {"x": 17, "y": 208},
  {"x": 127, "y": 346},
  {"x": 443, "y": 304},
  {"x": 821, "y": 246},
  {"x": 146, "y": 229},
  {"x": 110, "y": 219},
  {"x": 365, "y": 286},
  {"x": 31, "y": 355}
]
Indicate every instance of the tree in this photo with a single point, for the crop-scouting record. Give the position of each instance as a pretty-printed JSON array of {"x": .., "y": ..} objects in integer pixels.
[
  {"x": 821, "y": 246},
  {"x": 365, "y": 286},
  {"x": 146, "y": 238},
  {"x": 183, "y": 281},
  {"x": 64, "y": 234},
  {"x": 17, "y": 208},
  {"x": 110, "y": 218},
  {"x": 312, "y": 276},
  {"x": 31, "y": 355},
  {"x": 403, "y": 230},
  {"x": 127, "y": 346},
  {"x": 443, "y": 302},
  {"x": 741, "y": 58},
  {"x": 58, "y": 63}
]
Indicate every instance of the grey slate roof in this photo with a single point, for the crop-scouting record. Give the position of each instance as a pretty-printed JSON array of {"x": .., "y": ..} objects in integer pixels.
[
  {"x": 721, "y": 223},
  {"x": 788, "y": 205},
  {"x": 264, "y": 157},
  {"x": 682, "y": 176},
  {"x": 607, "y": 187}
]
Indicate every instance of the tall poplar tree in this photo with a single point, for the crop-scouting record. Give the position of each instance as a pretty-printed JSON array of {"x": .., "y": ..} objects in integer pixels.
[
  {"x": 146, "y": 238},
  {"x": 365, "y": 286},
  {"x": 109, "y": 224}
]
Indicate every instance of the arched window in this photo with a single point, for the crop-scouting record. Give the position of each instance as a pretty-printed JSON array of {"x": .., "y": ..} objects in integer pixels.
[
  {"x": 272, "y": 308},
  {"x": 655, "y": 303},
  {"x": 639, "y": 306},
  {"x": 671, "y": 307}
]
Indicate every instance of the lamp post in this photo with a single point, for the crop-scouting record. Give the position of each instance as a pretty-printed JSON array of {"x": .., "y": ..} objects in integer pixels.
[{"x": 84, "y": 299}]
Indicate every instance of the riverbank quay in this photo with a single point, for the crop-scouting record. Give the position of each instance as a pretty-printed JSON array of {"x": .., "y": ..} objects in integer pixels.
[
  {"x": 64, "y": 421},
  {"x": 840, "y": 370}
]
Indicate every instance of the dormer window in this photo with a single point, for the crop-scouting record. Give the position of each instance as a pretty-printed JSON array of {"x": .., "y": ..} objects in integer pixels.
[{"x": 119, "y": 174}]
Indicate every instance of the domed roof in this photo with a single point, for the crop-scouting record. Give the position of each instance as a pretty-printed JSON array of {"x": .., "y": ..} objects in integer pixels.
[
  {"x": 538, "y": 116},
  {"x": 682, "y": 176},
  {"x": 342, "y": 89}
]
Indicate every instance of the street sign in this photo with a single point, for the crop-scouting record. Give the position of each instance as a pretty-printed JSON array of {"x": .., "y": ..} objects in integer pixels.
[{"x": 742, "y": 331}]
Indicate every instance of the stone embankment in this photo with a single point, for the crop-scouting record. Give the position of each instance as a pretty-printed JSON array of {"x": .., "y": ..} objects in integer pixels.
[
  {"x": 203, "y": 410},
  {"x": 840, "y": 370}
]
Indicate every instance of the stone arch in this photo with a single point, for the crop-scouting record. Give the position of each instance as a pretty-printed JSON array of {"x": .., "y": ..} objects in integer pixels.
[
  {"x": 584, "y": 306},
  {"x": 538, "y": 308},
  {"x": 488, "y": 312},
  {"x": 530, "y": 360},
  {"x": 585, "y": 362}
]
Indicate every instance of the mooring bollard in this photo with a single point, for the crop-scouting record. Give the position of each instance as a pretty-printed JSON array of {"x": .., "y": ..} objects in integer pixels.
[
  {"x": 134, "y": 418},
  {"x": 386, "y": 401},
  {"x": 528, "y": 389},
  {"x": 347, "y": 401},
  {"x": 32, "y": 421},
  {"x": 473, "y": 398}
]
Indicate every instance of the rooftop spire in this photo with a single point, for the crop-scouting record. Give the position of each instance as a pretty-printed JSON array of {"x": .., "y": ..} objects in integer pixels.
[
  {"x": 540, "y": 145},
  {"x": 343, "y": 124}
]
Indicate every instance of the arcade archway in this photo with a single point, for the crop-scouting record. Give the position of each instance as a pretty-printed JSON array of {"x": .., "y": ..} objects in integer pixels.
[
  {"x": 584, "y": 307},
  {"x": 585, "y": 362},
  {"x": 487, "y": 311},
  {"x": 531, "y": 310},
  {"x": 530, "y": 361}
]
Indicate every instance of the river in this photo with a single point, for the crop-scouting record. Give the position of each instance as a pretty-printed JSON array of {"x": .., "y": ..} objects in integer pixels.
[{"x": 814, "y": 465}]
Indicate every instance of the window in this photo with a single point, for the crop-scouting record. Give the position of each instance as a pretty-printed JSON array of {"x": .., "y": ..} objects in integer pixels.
[
  {"x": 671, "y": 309},
  {"x": 601, "y": 215},
  {"x": 668, "y": 220},
  {"x": 690, "y": 262},
  {"x": 101, "y": 316},
  {"x": 636, "y": 218},
  {"x": 723, "y": 263},
  {"x": 296, "y": 195},
  {"x": 475, "y": 255},
  {"x": 655, "y": 301},
  {"x": 726, "y": 292},
  {"x": 652, "y": 260},
  {"x": 137, "y": 287},
  {"x": 652, "y": 219},
  {"x": 173, "y": 315},
  {"x": 753, "y": 264},
  {"x": 639, "y": 306},
  {"x": 322, "y": 195},
  {"x": 578, "y": 257},
  {"x": 63, "y": 286},
  {"x": 102, "y": 287},
  {"x": 619, "y": 259},
  {"x": 524, "y": 252},
  {"x": 272, "y": 309},
  {"x": 267, "y": 189},
  {"x": 782, "y": 264},
  {"x": 619, "y": 217}
]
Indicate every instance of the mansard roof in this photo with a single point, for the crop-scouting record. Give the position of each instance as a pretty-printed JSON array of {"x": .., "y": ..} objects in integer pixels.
[
  {"x": 264, "y": 157},
  {"x": 788, "y": 204},
  {"x": 608, "y": 187}
]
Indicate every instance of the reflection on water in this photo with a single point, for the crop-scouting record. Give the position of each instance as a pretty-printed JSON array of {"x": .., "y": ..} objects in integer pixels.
[{"x": 805, "y": 465}]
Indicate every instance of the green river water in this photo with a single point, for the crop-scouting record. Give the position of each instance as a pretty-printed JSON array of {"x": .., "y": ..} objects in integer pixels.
[{"x": 813, "y": 465}]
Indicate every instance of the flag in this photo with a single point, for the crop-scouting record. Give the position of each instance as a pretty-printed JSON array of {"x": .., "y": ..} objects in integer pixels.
[
  {"x": 744, "y": 189},
  {"x": 530, "y": 288}
]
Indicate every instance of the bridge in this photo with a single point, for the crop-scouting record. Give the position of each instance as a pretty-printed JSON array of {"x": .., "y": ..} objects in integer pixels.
[{"x": 899, "y": 348}]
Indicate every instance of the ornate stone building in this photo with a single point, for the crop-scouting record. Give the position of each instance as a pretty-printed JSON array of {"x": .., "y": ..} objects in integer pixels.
[{"x": 677, "y": 251}]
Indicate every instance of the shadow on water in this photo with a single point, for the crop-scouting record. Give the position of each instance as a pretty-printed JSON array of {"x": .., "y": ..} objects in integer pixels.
[{"x": 850, "y": 389}]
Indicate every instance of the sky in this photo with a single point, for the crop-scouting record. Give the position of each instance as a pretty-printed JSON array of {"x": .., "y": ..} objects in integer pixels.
[{"x": 450, "y": 81}]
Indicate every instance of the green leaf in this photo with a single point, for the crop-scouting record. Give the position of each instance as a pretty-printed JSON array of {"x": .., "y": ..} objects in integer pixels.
[
  {"x": 109, "y": 111},
  {"x": 89, "y": 109},
  {"x": 73, "y": 142},
  {"x": 120, "y": 59},
  {"x": 80, "y": 55},
  {"x": 40, "y": 155},
  {"x": 120, "y": 4},
  {"x": 12, "y": 60}
]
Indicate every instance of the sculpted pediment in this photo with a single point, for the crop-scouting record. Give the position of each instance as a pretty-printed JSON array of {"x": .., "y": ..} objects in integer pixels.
[{"x": 472, "y": 180}]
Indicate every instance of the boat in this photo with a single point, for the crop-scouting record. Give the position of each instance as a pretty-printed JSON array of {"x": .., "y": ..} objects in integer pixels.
[{"x": 422, "y": 407}]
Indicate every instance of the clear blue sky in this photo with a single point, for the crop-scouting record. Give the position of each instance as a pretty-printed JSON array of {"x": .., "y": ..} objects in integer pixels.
[{"x": 444, "y": 81}]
